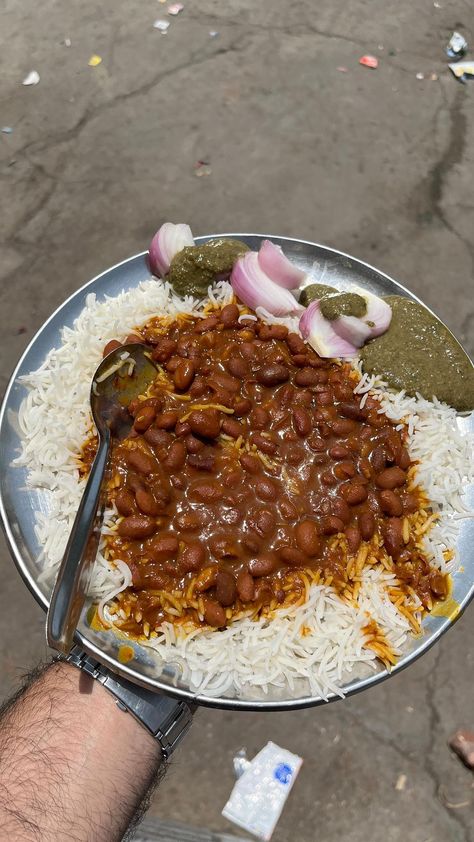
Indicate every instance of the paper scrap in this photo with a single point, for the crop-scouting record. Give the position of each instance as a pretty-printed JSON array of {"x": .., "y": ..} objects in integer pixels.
[
  {"x": 94, "y": 61},
  {"x": 162, "y": 26},
  {"x": 369, "y": 61},
  {"x": 32, "y": 78}
]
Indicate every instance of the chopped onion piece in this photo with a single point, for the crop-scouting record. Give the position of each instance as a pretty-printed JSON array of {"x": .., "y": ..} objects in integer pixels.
[
  {"x": 254, "y": 288},
  {"x": 353, "y": 329},
  {"x": 378, "y": 315},
  {"x": 320, "y": 334},
  {"x": 167, "y": 242},
  {"x": 278, "y": 267}
]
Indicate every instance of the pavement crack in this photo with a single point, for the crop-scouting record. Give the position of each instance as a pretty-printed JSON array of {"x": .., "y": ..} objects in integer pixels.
[
  {"x": 434, "y": 728},
  {"x": 197, "y": 58}
]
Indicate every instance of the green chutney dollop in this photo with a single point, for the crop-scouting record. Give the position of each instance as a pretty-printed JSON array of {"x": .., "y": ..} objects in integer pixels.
[
  {"x": 419, "y": 354},
  {"x": 343, "y": 304},
  {"x": 194, "y": 268},
  {"x": 315, "y": 291}
]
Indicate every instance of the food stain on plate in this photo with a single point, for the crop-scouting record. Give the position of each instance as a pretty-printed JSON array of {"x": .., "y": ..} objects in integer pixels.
[{"x": 125, "y": 654}]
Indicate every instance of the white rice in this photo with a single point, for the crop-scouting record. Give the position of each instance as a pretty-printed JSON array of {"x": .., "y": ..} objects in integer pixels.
[{"x": 55, "y": 421}]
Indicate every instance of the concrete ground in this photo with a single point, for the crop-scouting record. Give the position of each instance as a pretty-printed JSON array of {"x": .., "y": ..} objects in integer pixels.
[{"x": 374, "y": 162}]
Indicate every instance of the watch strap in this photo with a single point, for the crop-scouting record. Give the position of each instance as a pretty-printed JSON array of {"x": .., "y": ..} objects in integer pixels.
[{"x": 166, "y": 719}]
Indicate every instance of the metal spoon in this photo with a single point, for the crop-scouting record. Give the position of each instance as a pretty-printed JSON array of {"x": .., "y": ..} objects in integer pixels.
[{"x": 111, "y": 392}]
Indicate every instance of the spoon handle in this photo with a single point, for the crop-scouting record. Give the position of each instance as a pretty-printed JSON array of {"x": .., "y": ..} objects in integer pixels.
[{"x": 73, "y": 576}]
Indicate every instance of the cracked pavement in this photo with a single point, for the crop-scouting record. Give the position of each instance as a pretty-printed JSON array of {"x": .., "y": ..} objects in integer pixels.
[{"x": 375, "y": 163}]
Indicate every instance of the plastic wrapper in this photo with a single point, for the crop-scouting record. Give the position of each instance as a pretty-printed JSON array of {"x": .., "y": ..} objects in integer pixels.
[
  {"x": 263, "y": 785},
  {"x": 463, "y": 70},
  {"x": 457, "y": 46}
]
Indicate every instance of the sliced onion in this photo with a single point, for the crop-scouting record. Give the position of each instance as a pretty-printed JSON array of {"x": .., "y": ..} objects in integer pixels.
[
  {"x": 255, "y": 289},
  {"x": 353, "y": 329},
  {"x": 320, "y": 334},
  {"x": 378, "y": 315},
  {"x": 167, "y": 242},
  {"x": 278, "y": 267}
]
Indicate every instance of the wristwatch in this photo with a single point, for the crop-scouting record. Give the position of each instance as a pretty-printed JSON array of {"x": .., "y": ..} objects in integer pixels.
[{"x": 165, "y": 718}]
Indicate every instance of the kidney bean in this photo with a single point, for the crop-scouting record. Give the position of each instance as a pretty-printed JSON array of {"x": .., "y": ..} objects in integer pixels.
[
  {"x": 350, "y": 409},
  {"x": 263, "y": 522},
  {"x": 183, "y": 428},
  {"x": 198, "y": 387},
  {"x": 205, "y": 423},
  {"x": 238, "y": 367},
  {"x": 410, "y": 503},
  {"x": 147, "y": 503},
  {"x": 207, "y": 492},
  {"x": 292, "y": 555},
  {"x": 343, "y": 392},
  {"x": 245, "y": 586},
  {"x": 403, "y": 459},
  {"x": 366, "y": 525},
  {"x": 295, "y": 344},
  {"x": 340, "y": 509},
  {"x": 265, "y": 489},
  {"x": 206, "y": 324},
  {"x": 184, "y": 375},
  {"x": 226, "y": 590},
  {"x": 251, "y": 463},
  {"x": 141, "y": 462},
  {"x": 390, "y": 503},
  {"x": 242, "y": 406},
  {"x": 231, "y": 427},
  {"x": 263, "y": 565},
  {"x": 188, "y": 521},
  {"x": 157, "y": 438},
  {"x": 192, "y": 444},
  {"x": 192, "y": 557},
  {"x": 163, "y": 547},
  {"x": 343, "y": 426},
  {"x": 392, "y": 532},
  {"x": 331, "y": 525},
  {"x": 299, "y": 360},
  {"x": 176, "y": 456},
  {"x": 164, "y": 350},
  {"x": 125, "y": 502},
  {"x": 307, "y": 537},
  {"x": 391, "y": 478},
  {"x": 288, "y": 510},
  {"x": 226, "y": 382},
  {"x": 266, "y": 445},
  {"x": 166, "y": 420},
  {"x": 307, "y": 376},
  {"x": 229, "y": 315},
  {"x": 214, "y": 614},
  {"x": 187, "y": 346},
  {"x": 328, "y": 478},
  {"x": 172, "y": 364},
  {"x": 354, "y": 493},
  {"x": 178, "y": 481},
  {"x": 302, "y": 421},
  {"x": 266, "y": 332},
  {"x": 345, "y": 470},
  {"x": 202, "y": 461},
  {"x": 324, "y": 398},
  {"x": 272, "y": 374},
  {"x": 316, "y": 443},
  {"x": 353, "y": 537},
  {"x": 379, "y": 458},
  {"x": 143, "y": 418},
  {"x": 206, "y": 578},
  {"x": 339, "y": 452},
  {"x": 111, "y": 346},
  {"x": 248, "y": 350},
  {"x": 251, "y": 543},
  {"x": 136, "y": 527}
]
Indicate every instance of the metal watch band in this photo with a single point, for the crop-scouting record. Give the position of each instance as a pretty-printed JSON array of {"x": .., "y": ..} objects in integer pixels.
[{"x": 167, "y": 719}]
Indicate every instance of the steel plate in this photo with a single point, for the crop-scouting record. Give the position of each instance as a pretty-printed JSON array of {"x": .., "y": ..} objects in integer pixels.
[{"x": 18, "y": 504}]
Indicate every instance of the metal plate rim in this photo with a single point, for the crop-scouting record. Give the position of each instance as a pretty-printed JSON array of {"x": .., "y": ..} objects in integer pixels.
[{"x": 356, "y": 686}]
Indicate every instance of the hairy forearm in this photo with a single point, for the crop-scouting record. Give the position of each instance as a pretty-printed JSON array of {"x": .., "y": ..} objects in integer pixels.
[{"x": 72, "y": 764}]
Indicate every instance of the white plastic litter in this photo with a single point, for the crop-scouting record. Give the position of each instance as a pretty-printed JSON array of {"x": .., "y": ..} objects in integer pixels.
[
  {"x": 259, "y": 795},
  {"x": 32, "y": 78}
]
